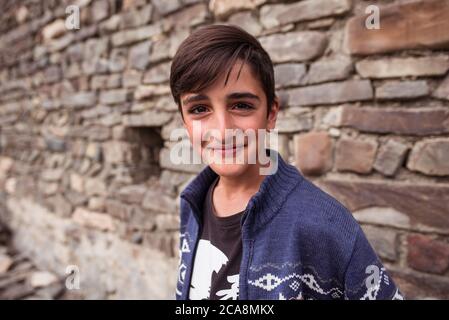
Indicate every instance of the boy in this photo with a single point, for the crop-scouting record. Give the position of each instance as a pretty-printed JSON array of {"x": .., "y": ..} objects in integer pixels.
[{"x": 244, "y": 234}]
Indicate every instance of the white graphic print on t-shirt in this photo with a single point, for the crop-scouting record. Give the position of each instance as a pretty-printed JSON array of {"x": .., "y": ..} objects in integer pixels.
[{"x": 209, "y": 259}]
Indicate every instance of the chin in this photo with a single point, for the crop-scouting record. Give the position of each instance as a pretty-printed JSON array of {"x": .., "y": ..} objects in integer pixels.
[{"x": 229, "y": 170}]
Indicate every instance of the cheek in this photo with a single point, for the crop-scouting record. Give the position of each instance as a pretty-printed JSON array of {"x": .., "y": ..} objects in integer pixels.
[
  {"x": 255, "y": 121},
  {"x": 196, "y": 131},
  {"x": 190, "y": 126},
  {"x": 190, "y": 131}
]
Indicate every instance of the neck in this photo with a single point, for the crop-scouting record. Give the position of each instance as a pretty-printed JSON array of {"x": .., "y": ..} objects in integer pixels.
[{"x": 247, "y": 183}]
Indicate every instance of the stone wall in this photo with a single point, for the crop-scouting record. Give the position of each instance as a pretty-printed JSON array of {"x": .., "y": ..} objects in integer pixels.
[{"x": 86, "y": 117}]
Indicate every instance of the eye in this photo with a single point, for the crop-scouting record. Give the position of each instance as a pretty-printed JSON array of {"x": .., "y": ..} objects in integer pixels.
[
  {"x": 242, "y": 106},
  {"x": 198, "y": 109}
]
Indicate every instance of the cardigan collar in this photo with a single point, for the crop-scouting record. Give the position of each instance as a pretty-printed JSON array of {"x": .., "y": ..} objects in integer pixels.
[{"x": 272, "y": 193}]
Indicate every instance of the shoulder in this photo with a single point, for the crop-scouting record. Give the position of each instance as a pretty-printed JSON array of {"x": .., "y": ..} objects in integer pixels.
[
  {"x": 321, "y": 219},
  {"x": 315, "y": 204}
]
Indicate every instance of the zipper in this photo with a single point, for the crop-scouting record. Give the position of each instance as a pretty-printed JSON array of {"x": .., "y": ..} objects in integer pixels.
[
  {"x": 244, "y": 242},
  {"x": 192, "y": 256}
]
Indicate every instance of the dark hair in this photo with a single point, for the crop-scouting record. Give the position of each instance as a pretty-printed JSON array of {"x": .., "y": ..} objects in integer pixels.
[{"x": 211, "y": 50}]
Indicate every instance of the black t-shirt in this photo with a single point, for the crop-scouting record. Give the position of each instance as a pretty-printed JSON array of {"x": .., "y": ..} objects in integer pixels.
[{"x": 218, "y": 255}]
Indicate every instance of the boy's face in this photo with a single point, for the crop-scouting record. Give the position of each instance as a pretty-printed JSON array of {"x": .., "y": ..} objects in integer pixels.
[{"x": 241, "y": 105}]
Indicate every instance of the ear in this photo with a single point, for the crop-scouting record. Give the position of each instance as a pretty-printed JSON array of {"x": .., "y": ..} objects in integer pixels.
[{"x": 272, "y": 115}]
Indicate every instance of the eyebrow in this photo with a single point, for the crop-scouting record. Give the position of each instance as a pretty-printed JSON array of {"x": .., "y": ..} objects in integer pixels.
[{"x": 231, "y": 96}]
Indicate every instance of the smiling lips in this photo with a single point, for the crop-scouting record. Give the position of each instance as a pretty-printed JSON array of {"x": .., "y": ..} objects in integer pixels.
[{"x": 226, "y": 150}]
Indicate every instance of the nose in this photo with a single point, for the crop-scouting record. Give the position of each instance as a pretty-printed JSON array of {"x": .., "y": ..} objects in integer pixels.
[{"x": 222, "y": 121}]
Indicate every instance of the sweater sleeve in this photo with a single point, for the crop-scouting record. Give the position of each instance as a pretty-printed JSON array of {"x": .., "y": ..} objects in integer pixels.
[{"x": 365, "y": 277}]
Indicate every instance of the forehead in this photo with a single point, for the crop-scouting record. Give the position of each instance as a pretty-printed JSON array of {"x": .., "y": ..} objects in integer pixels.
[{"x": 243, "y": 81}]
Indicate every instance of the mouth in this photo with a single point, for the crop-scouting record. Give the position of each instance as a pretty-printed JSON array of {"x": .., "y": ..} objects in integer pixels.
[{"x": 226, "y": 150}]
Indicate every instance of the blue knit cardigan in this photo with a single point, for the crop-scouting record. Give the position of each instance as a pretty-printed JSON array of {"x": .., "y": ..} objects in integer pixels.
[{"x": 298, "y": 243}]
